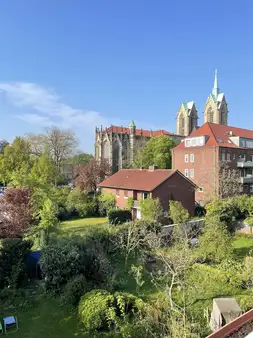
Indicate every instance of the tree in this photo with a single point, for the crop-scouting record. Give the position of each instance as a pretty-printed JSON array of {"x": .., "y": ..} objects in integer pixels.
[
  {"x": 15, "y": 212},
  {"x": 178, "y": 213},
  {"x": 151, "y": 209},
  {"x": 215, "y": 243},
  {"x": 48, "y": 220},
  {"x": 82, "y": 158},
  {"x": 15, "y": 162},
  {"x": 3, "y": 144},
  {"x": 43, "y": 171},
  {"x": 156, "y": 152},
  {"x": 88, "y": 177},
  {"x": 59, "y": 143},
  {"x": 222, "y": 182}
]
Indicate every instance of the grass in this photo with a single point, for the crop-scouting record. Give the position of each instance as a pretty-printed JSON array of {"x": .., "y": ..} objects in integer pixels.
[
  {"x": 45, "y": 318},
  {"x": 81, "y": 226},
  {"x": 242, "y": 245},
  {"x": 48, "y": 318}
]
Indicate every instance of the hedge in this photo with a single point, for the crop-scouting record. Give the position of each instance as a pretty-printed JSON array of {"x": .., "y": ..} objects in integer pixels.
[{"x": 118, "y": 216}]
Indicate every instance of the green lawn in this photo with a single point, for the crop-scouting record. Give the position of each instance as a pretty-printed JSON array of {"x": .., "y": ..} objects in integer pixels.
[
  {"x": 82, "y": 226},
  {"x": 242, "y": 245}
]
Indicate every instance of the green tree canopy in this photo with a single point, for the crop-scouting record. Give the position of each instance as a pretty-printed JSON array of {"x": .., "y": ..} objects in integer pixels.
[
  {"x": 151, "y": 209},
  {"x": 16, "y": 162},
  {"x": 156, "y": 152},
  {"x": 178, "y": 213},
  {"x": 215, "y": 243},
  {"x": 82, "y": 158}
]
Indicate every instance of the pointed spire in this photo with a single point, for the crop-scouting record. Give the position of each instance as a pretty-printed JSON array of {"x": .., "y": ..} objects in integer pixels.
[
  {"x": 132, "y": 124},
  {"x": 216, "y": 89}
]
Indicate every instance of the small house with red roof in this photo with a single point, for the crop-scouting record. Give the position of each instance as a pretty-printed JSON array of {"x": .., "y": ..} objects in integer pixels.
[
  {"x": 200, "y": 155},
  {"x": 140, "y": 184}
]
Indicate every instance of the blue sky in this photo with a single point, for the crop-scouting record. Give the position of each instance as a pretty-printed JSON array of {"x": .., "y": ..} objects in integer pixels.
[{"x": 81, "y": 63}]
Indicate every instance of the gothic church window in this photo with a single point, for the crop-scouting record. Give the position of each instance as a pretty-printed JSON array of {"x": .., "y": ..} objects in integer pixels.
[
  {"x": 182, "y": 125},
  {"x": 210, "y": 115}
]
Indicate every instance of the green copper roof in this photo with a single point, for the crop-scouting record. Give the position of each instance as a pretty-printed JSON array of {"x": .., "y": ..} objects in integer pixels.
[{"x": 132, "y": 124}]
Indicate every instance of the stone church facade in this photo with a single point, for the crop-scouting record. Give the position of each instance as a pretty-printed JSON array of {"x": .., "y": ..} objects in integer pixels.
[{"x": 119, "y": 145}]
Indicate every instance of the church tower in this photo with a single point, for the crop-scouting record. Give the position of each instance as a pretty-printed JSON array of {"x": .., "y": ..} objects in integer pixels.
[
  {"x": 187, "y": 118},
  {"x": 216, "y": 109}
]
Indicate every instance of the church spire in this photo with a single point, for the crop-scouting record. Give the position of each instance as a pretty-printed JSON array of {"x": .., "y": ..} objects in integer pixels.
[{"x": 216, "y": 89}]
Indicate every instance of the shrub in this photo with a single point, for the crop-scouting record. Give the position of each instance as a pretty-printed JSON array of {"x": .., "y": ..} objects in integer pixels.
[
  {"x": 151, "y": 209},
  {"x": 106, "y": 202},
  {"x": 215, "y": 242},
  {"x": 118, "y": 216},
  {"x": 94, "y": 309},
  {"x": 59, "y": 263},
  {"x": 13, "y": 257},
  {"x": 130, "y": 203},
  {"x": 84, "y": 204},
  {"x": 100, "y": 310},
  {"x": 73, "y": 290},
  {"x": 178, "y": 213}
]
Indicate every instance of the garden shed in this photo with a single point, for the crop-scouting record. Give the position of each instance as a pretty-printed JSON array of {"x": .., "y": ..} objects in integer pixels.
[{"x": 224, "y": 311}]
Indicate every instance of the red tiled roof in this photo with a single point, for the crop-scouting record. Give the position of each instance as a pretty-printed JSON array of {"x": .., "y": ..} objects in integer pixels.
[
  {"x": 137, "y": 179},
  {"x": 218, "y": 135},
  {"x": 139, "y": 132}
]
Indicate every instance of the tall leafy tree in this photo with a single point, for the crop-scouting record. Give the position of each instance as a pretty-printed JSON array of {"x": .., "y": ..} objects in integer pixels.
[
  {"x": 15, "y": 162},
  {"x": 43, "y": 171},
  {"x": 156, "y": 152},
  {"x": 48, "y": 220}
]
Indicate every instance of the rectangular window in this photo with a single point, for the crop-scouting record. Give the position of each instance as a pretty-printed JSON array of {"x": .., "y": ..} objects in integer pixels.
[
  {"x": 192, "y": 158},
  {"x": 126, "y": 193},
  {"x": 186, "y": 172},
  {"x": 251, "y": 158},
  {"x": 186, "y": 158},
  {"x": 144, "y": 195},
  {"x": 223, "y": 156},
  {"x": 191, "y": 173},
  {"x": 117, "y": 193},
  {"x": 228, "y": 156}
]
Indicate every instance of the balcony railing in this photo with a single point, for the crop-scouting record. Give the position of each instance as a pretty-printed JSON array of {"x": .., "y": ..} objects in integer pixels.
[
  {"x": 244, "y": 164},
  {"x": 247, "y": 179}
]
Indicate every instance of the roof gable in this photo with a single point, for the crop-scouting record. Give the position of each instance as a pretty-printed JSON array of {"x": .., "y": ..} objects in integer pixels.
[{"x": 218, "y": 135}]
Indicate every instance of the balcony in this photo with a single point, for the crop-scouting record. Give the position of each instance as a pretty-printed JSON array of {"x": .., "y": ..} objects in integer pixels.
[
  {"x": 247, "y": 179},
  {"x": 245, "y": 164}
]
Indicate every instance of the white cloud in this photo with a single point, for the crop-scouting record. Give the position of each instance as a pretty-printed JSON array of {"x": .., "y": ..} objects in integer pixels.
[{"x": 48, "y": 108}]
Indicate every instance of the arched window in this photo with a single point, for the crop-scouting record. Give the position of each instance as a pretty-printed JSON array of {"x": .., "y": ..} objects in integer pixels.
[
  {"x": 210, "y": 115},
  {"x": 106, "y": 150},
  {"x": 181, "y": 124},
  {"x": 223, "y": 116}
]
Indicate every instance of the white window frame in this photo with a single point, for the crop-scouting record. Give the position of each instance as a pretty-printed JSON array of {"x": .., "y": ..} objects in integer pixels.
[
  {"x": 191, "y": 173},
  {"x": 126, "y": 197},
  {"x": 192, "y": 158},
  {"x": 229, "y": 157},
  {"x": 186, "y": 172},
  {"x": 186, "y": 158},
  {"x": 117, "y": 193},
  {"x": 223, "y": 156}
]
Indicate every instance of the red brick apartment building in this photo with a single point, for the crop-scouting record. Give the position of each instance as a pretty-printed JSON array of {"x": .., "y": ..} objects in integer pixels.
[
  {"x": 200, "y": 155},
  {"x": 154, "y": 183}
]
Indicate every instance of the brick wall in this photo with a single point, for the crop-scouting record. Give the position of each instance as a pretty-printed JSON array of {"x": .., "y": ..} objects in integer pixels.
[{"x": 176, "y": 188}]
